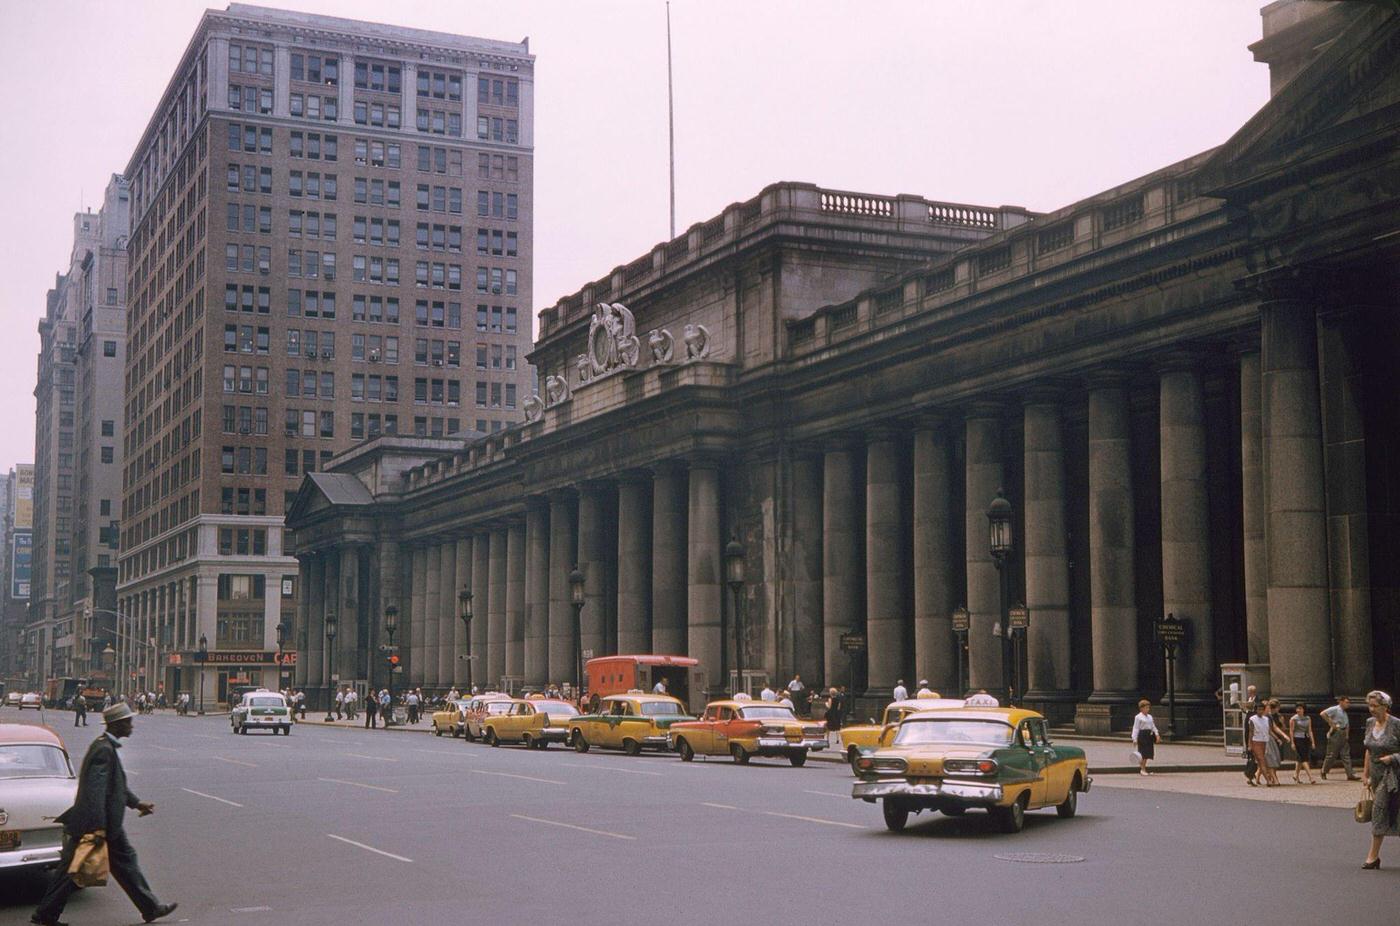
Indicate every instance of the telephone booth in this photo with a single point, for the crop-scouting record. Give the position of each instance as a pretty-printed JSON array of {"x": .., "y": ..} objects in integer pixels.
[{"x": 1235, "y": 679}]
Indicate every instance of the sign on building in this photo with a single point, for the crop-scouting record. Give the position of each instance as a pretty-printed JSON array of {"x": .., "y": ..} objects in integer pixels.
[{"x": 21, "y": 564}]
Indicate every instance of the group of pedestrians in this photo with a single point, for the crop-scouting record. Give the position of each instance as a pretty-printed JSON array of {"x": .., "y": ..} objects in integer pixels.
[{"x": 1270, "y": 730}]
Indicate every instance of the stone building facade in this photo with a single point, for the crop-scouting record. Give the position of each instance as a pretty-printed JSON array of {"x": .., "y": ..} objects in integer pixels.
[{"x": 1181, "y": 385}]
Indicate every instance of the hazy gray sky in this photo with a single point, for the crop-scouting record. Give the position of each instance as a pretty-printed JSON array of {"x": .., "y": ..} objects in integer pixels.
[{"x": 991, "y": 102}]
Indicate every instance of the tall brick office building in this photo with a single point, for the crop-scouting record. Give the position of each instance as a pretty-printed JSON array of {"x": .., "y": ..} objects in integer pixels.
[{"x": 331, "y": 239}]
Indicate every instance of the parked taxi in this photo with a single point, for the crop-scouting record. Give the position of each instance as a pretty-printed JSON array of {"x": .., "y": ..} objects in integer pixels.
[
  {"x": 478, "y": 708},
  {"x": 864, "y": 736},
  {"x": 451, "y": 718},
  {"x": 531, "y": 722},
  {"x": 36, "y": 785},
  {"x": 997, "y": 759},
  {"x": 631, "y": 722},
  {"x": 743, "y": 729}
]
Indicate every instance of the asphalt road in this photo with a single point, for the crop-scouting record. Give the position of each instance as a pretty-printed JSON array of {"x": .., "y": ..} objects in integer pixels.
[{"x": 336, "y": 826}]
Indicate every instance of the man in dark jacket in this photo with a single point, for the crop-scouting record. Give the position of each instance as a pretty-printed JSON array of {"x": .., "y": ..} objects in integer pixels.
[{"x": 101, "y": 804}]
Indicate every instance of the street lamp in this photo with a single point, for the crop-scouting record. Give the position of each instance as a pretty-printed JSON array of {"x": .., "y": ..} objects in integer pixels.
[
  {"x": 391, "y": 624},
  {"x": 201, "y": 656},
  {"x": 734, "y": 553},
  {"x": 961, "y": 621},
  {"x": 464, "y": 611},
  {"x": 331, "y": 628},
  {"x": 283, "y": 628},
  {"x": 999, "y": 535},
  {"x": 576, "y": 598}
]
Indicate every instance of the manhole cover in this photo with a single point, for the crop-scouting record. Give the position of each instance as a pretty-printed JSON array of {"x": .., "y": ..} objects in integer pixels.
[{"x": 1040, "y": 858}]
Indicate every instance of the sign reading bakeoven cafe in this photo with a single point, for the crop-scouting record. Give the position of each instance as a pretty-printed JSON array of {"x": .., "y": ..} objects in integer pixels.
[{"x": 237, "y": 658}]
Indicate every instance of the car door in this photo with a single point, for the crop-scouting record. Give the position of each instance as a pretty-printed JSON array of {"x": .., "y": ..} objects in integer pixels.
[
  {"x": 1037, "y": 760},
  {"x": 702, "y": 736},
  {"x": 725, "y": 721},
  {"x": 1058, "y": 771}
]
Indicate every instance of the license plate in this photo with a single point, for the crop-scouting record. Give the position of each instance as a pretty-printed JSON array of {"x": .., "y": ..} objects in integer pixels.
[{"x": 9, "y": 839}]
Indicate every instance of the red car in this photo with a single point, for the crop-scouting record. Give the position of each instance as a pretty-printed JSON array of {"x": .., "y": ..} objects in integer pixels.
[{"x": 743, "y": 729}]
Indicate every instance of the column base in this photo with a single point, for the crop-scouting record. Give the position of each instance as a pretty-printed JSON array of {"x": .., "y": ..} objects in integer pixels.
[
  {"x": 1104, "y": 715},
  {"x": 1057, "y": 706}
]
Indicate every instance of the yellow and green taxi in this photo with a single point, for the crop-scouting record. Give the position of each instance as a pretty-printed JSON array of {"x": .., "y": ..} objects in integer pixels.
[
  {"x": 998, "y": 759},
  {"x": 452, "y": 718},
  {"x": 532, "y": 722},
  {"x": 748, "y": 728},
  {"x": 865, "y": 736},
  {"x": 631, "y": 722}
]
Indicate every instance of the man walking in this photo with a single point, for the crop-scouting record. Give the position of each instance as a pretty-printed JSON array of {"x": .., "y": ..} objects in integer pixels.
[
  {"x": 1338, "y": 738},
  {"x": 412, "y": 701},
  {"x": 79, "y": 710},
  {"x": 900, "y": 693},
  {"x": 371, "y": 712},
  {"x": 101, "y": 805}
]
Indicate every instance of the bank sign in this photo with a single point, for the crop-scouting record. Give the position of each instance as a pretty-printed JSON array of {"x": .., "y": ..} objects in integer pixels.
[{"x": 21, "y": 564}]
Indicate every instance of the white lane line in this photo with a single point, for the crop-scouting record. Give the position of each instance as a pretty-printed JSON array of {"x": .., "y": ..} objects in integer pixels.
[
  {"x": 249, "y": 909},
  {"x": 794, "y": 816},
  {"x": 548, "y": 781},
  {"x": 371, "y": 848},
  {"x": 212, "y": 797},
  {"x": 718, "y": 806},
  {"x": 357, "y": 755},
  {"x": 606, "y": 766},
  {"x": 236, "y": 761},
  {"x": 206, "y": 736},
  {"x": 827, "y": 794},
  {"x": 570, "y": 826},
  {"x": 342, "y": 781},
  {"x": 132, "y": 771},
  {"x": 166, "y": 748}
]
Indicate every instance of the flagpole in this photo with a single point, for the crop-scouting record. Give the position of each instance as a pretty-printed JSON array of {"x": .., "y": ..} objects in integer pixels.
[{"x": 671, "y": 117}]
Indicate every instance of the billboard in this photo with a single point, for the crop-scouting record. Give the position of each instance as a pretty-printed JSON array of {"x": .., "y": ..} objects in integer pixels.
[
  {"x": 23, "y": 513},
  {"x": 21, "y": 562}
]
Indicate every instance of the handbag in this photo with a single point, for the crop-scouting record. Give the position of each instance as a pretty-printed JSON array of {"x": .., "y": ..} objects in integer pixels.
[
  {"x": 1365, "y": 807},
  {"x": 91, "y": 865},
  {"x": 1135, "y": 757}
]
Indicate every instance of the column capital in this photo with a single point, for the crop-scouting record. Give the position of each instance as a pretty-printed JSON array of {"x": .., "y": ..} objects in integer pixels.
[
  {"x": 1046, "y": 392},
  {"x": 1287, "y": 284},
  {"x": 536, "y": 503},
  {"x": 1112, "y": 376},
  {"x": 983, "y": 408},
  {"x": 843, "y": 441},
  {"x": 883, "y": 432},
  {"x": 1181, "y": 359},
  {"x": 634, "y": 477},
  {"x": 562, "y": 495}
]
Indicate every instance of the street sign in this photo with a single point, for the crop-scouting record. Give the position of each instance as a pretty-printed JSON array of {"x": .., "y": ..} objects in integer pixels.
[
  {"x": 1171, "y": 630},
  {"x": 335, "y": 677},
  {"x": 1019, "y": 617},
  {"x": 588, "y": 654},
  {"x": 961, "y": 620},
  {"x": 853, "y": 643}
]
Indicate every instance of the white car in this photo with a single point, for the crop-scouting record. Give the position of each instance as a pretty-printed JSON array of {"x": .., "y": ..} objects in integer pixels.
[
  {"x": 31, "y": 699},
  {"x": 12, "y": 699},
  {"x": 262, "y": 710},
  {"x": 36, "y": 785}
]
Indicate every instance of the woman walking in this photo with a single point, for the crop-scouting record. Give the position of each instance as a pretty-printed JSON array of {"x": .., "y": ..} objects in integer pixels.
[
  {"x": 1145, "y": 736},
  {"x": 1382, "y": 772},
  {"x": 1300, "y": 731},
  {"x": 1260, "y": 735},
  {"x": 1277, "y": 737}
]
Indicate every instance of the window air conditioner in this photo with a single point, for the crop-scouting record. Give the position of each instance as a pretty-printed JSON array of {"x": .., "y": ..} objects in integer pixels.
[{"x": 327, "y": 353}]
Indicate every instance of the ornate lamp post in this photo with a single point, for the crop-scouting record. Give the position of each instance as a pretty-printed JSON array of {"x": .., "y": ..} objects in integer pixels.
[
  {"x": 464, "y": 611},
  {"x": 734, "y": 553},
  {"x": 576, "y": 598},
  {"x": 331, "y": 628},
  {"x": 999, "y": 525},
  {"x": 391, "y": 624},
  {"x": 201, "y": 656},
  {"x": 282, "y": 630}
]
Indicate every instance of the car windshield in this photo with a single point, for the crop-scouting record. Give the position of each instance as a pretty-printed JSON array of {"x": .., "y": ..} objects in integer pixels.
[
  {"x": 264, "y": 702},
  {"x": 920, "y": 732},
  {"x": 30, "y": 760},
  {"x": 767, "y": 713},
  {"x": 660, "y": 707},
  {"x": 557, "y": 708}
]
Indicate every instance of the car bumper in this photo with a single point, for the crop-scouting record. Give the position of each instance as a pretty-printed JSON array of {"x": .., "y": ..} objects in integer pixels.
[
  {"x": 962, "y": 792},
  {"x": 552, "y": 735},
  {"x": 782, "y": 745},
  {"x": 34, "y": 856}
]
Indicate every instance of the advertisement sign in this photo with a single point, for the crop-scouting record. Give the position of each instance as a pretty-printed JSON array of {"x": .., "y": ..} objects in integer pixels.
[
  {"x": 24, "y": 499},
  {"x": 21, "y": 564}
]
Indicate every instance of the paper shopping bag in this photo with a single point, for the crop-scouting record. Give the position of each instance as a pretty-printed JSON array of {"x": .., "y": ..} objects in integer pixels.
[{"x": 90, "y": 866}]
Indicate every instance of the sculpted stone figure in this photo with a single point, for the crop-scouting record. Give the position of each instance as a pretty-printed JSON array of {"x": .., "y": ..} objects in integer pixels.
[
  {"x": 697, "y": 342},
  {"x": 612, "y": 338},
  {"x": 534, "y": 408},
  {"x": 556, "y": 389},
  {"x": 662, "y": 345},
  {"x": 585, "y": 368}
]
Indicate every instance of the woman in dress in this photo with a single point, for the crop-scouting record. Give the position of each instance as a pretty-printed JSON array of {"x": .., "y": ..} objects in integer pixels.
[
  {"x": 1259, "y": 736},
  {"x": 1277, "y": 737},
  {"x": 1145, "y": 736},
  {"x": 1300, "y": 731},
  {"x": 1382, "y": 772}
]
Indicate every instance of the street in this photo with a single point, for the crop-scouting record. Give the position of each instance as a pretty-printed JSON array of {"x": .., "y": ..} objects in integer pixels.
[{"x": 334, "y": 826}]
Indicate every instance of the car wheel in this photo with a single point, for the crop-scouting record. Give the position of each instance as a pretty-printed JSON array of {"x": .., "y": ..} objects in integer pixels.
[
  {"x": 526, "y": 741},
  {"x": 852, "y": 756},
  {"x": 580, "y": 744},
  {"x": 541, "y": 745},
  {"x": 798, "y": 759},
  {"x": 1070, "y": 806},
  {"x": 491, "y": 739},
  {"x": 896, "y": 815},
  {"x": 468, "y": 735},
  {"x": 1010, "y": 819},
  {"x": 437, "y": 731},
  {"x": 686, "y": 751},
  {"x": 243, "y": 729},
  {"x": 632, "y": 747},
  {"x": 740, "y": 756}
]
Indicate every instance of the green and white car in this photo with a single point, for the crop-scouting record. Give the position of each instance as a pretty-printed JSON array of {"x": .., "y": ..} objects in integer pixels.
[{"x": 262, "y": 710}]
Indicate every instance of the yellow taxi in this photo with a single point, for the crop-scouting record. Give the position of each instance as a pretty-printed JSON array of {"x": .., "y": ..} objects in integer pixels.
[
  {"x": 532, "y": 722},
  {"x": 863, "y": 736},
  {"x": 451, "y": 719},
  {"x": 479, "y": 707},
  {"x": 999, "y": 759},
  {"x": 631, "y": 722},
  {"x": 743, "y": 729}
]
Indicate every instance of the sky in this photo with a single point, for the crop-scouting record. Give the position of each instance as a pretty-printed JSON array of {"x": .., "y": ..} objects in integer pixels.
[{"x": 998, "y": 102}]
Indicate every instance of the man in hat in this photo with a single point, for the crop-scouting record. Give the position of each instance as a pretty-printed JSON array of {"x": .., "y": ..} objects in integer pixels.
[{"x": 101, "y": 804}]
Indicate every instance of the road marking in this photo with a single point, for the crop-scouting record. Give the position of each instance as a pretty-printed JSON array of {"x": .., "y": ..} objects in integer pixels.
[
  {"x": 570, "y": 826},
  {"x": 342, "y": 781},
  {"x": 212, "y": 797},
  {"x": 376, "y": 758},
  {"x": 166, "y": 748},
  {"x": 132, "y": 771},
  {"x": 548, "y": 781},
  {"x": 236, "y": 762},
  {"x": 827, "y": 793},
  {"x": 604, "y": 765},
  {"x": 794, "y": 816},
  {"x": 207, "y": 736},
  {"x": 718, "y": 806},
  {"x": 249, "y": 909},
  {"x": 371, "y": 848}
]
